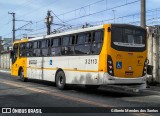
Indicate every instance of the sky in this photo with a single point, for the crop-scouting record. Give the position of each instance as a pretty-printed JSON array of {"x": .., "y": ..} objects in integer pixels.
[{"x": 72, "y": 13}]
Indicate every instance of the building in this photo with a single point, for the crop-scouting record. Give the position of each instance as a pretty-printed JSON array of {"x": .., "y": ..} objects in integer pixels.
[
  {"x": 1, "y": 45},
  {"x": 7, "y": 44}
]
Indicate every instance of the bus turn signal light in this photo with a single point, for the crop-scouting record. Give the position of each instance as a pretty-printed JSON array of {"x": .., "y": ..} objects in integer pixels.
[
  {"x": 110, "y": 67},
  {"x": 145, "y": 67}
]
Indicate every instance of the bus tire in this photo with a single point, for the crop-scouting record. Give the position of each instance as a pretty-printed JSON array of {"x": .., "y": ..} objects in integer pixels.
[
  {"x": 92, "y": 86},
  {"x": 21, "y": 75},
  {"x": 61, "y": 80}
]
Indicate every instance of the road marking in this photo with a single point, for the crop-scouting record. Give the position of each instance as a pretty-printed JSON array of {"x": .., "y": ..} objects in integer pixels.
[{"x": 16, "y": 84}]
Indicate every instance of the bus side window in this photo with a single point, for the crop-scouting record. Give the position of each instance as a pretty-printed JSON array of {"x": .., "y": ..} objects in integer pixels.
[
  {"x": 97, "y": 42},
  {"x": 71, "y": 45},
  {"x": 45, "y": 47},
  {"x": 56, "y": 46},
  {"x": 36, "y": 48},
  {"x": 68, "y": 45},
  {"x": 28, "y": 49},
  {"x": 71, "y": 40},
  {"x": 22, "y": 50},
  {"x": 83, "y": 42}
]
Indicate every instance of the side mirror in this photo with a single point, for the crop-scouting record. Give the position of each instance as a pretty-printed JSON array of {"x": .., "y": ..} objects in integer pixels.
[{"x": 149, "y": 69}]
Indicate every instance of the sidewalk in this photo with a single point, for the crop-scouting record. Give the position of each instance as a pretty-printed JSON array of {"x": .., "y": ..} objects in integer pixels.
[
  {"x": 154, "y": 88},
  {"x": 5, "y": 70}
]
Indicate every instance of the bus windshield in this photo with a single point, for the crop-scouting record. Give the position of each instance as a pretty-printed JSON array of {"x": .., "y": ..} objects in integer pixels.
[{"x": 128, "y": 38}]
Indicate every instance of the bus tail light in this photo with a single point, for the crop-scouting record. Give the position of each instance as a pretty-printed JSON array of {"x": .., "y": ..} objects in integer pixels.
[
  {"x": 145, "y": 67},
  {"x": 110, "y": 67}
]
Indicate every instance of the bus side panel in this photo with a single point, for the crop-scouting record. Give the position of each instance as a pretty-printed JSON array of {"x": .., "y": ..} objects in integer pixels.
[
  {"x": 84, "y": 70},
  {"x": 14, "y": 69},
  {"x": 77, "y": 69},
  {"x": 34, "y": 67},
  {"x": 20, "y": 62}
]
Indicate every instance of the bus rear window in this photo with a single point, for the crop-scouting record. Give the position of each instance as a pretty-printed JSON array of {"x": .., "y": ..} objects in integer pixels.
[{"x": 128, "y": 38}]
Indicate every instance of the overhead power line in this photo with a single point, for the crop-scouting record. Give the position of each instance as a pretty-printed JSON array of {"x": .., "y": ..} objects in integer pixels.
[
  {"x": 31, "y": 12},
  {"x": 21, "y": 6},
  {"x": 7, "y": 34},
  {"x": 57, "y": 17},
  {"x": 64, "y": 22},
  {"x": 103, "y": 11},
  {"x": 81, "y": 7},
  {"x": 20, "y": 28}
]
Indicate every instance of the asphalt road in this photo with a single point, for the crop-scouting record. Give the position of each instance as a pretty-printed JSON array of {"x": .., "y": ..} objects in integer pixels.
[{"x": 34, "y": 93}]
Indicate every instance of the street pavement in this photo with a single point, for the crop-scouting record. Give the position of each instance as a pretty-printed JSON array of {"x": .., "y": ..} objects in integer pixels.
[{"x": 35, "y": 93}]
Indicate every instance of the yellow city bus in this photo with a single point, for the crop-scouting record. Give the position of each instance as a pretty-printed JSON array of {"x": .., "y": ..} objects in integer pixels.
[{"x": 109, "y": 54}]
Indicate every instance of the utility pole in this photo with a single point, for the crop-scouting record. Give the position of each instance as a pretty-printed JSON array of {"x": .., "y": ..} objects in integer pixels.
[
  {"x": 48, "y": 21},
  {"x": 13, "y": 28},
  {"x": 143, "y": 13}
]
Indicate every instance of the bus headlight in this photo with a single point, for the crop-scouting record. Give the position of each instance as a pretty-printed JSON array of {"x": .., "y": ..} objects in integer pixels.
[{"x": 110, "y": 67}]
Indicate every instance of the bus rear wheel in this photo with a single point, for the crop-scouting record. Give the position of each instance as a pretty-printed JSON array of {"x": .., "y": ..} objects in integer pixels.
[
  {"x": 61, "y": 80},
  {"x": 21, "y": 75}
]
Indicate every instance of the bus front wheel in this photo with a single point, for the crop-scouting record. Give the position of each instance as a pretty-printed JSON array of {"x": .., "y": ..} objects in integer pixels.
[
  {"x": 60, "y": 80},
  {"x": 21, "y": 75}
]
